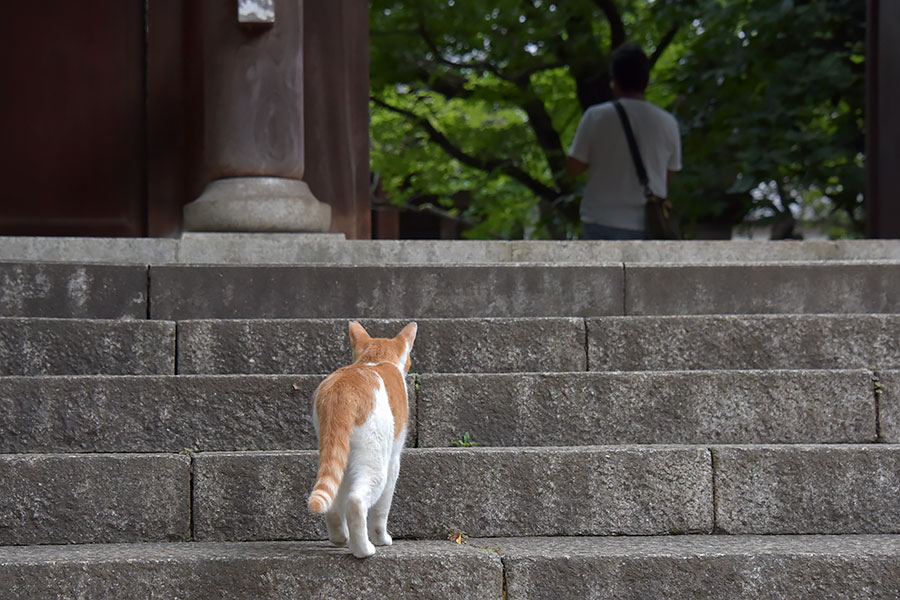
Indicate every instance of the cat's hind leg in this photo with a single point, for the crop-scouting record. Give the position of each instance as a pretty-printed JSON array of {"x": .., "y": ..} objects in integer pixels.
[
  {"x": 360, "y": 545},
  {"x": 378, "y": 514},
  {"x": 363, "y": 480},
  {"x": 337, "y": 526}
]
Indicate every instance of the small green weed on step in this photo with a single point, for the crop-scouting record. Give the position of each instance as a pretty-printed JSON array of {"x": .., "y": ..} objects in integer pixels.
[{"x": 465, "y": 442}]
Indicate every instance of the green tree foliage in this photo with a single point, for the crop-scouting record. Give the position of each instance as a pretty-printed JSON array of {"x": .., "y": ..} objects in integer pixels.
[
  {"x": 474, "y": 103},
  {"x": 772, "y": 92}
]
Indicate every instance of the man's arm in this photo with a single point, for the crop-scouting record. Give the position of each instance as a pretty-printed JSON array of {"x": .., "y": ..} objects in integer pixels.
[
  {"x": 575, "y": 167},
  {"x": 669, "y": 176}
]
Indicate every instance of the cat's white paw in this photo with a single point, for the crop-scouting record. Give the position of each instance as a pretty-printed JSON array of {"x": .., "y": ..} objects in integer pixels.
[
  {"x": 337, "y": 529},
  {"x": 380, "y": 538},
  {"x": 363, "y": 550}
]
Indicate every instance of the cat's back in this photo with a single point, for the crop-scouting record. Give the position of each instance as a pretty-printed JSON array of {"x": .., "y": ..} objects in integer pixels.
[{"x": 353, "y": 390}]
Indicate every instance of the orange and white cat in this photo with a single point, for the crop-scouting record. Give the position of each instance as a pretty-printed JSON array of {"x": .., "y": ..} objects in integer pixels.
[{"x": 360, "y": 415}]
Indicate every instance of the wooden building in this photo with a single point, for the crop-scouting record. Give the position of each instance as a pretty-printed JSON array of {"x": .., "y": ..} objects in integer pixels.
[{"x": 115, "y": 114}]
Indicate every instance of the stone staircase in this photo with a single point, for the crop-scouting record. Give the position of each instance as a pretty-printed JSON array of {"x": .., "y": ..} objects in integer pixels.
[{"x": 653, "y": 420}]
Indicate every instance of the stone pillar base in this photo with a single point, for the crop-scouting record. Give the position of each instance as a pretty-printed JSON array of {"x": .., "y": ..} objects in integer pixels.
[{"x": 261, "y": 204}]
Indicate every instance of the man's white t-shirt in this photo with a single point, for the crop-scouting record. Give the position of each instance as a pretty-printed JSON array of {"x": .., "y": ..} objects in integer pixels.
[{"x": 614, "y": 196}]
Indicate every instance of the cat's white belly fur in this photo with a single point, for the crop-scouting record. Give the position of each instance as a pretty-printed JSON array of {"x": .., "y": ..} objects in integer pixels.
[
  {"x": 368, "y": 483},
  {"x": 371, "y": 446}
]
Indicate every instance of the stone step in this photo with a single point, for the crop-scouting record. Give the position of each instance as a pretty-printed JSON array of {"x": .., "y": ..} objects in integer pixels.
[
  {"x": 523, "y": 290},
  {"x": 317, "y": 346},
  {"x": 82, "y": 498},
  {"x": 262, "y": 248},
  {"x": 820, "y": 341},
  {"x": 73, "y": 291},
  {"x": 807, "y": 489},
  {"x": 849, "y": 567},
  {"x": 272, "y": 412},
  {"x": 596, "y": 490},
  {"x": 589, "y": 490},
  {"x": 42, "y": 346},
  {"x": 655, "y": 407},
  {"x": 250, "y": 571},
  {"x": 400, "y": 291},
  {"x": 837, "y": 287},
  {"x": 157, "y": 413},
  {"x": 857, "y": 567},
  {"x": 486, "y": 492},
  {"x": 553, "y": 344},
  {"x": 246, "y": 496},
  {"x": 436, "y": 291}
]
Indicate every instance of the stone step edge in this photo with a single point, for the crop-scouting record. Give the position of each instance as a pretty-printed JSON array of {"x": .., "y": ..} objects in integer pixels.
[
  {"x": 106, "y": 413},
  {"x": 825, "y": 567},
  {"x": 238, "y": 248},
  {"x": 688, "y": 489},
  {"x": 37, "y": 346},
  {"x": 136, "y": 292}
]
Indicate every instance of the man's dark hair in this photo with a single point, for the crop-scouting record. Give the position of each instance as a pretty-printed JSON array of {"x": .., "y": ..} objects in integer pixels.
[{"x": 630, "y": 67}]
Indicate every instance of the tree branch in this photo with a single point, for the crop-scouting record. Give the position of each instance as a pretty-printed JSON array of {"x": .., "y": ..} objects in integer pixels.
[
  {"x": 547, "y": 136},
  {"x": 663, "y": 44},
  {"x": 616, "y": 25},
  {"x": 479, "y": 66},
  {"x": 483, "y": 65},
  {"x": 484, "y": 164}
]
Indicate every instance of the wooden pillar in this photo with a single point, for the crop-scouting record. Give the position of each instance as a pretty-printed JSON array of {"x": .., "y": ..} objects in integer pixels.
[
  {"x": 336, "y": 105},
  {"x": 252, "y": 120},
  {"x": 882, "y": 120}
]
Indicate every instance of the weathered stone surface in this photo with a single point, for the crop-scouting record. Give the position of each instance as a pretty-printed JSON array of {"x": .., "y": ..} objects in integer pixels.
[
  {"x": 682, "y": 407},
  {"x": 67, "y": 290},
  {"x": 744, "y": 342},
  {"x": 85, "y": 250},
  {"x": 703, "y": 251},
  {"x": 159, "y": 413},
  {"x": 823, "y": 287},
  {"x": 635, "y": 490},
  {"x": 701, "y": 567},
  {"x": 318, "y": 248},
  {"x": 270, "y": 204},
  {"x": 86, "y": 347},
  {"x": 888, "y": 392},
  {"x": 322, "y": 345},
  {"x": 94, "y": 498},
  {"x": 807, "y": 489},
  {"x": 206, "y": 248},
  {"x": 273, "y": 570},
  {"x": 404, "y": 291},
  {"x": 308, "y": 248}
]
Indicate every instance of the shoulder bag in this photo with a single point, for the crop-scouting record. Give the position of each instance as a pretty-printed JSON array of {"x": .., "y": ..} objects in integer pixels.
[{"x": 661, "y": 222}]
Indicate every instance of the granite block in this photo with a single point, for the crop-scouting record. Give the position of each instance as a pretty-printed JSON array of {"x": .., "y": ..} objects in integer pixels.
[
  {"x": 322, "y": 345},
  {"x": 86, "y": 347},
  {"x": 399, "y": 291},
  {"x": 94, "y": 498},
  {"x": 744, "y": 342},
  {"x": 764, "y": 288},
  {"x": 623, "y": 490},
  {"x": 679, "y": 407},
  {"x": 808, "y": 489},
  {"x": 271, "y": 570}
]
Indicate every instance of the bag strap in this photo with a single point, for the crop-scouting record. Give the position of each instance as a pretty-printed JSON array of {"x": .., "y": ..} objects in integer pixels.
[{"x": 633, "y": 147}]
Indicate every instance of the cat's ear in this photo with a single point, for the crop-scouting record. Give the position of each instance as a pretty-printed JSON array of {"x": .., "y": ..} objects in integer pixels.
[
  {"x": 408, "y": 334},
  {"x": 358, "y": 336}
]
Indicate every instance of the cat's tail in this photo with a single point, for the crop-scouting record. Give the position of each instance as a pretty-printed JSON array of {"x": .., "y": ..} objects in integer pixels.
[{"x": 334, "y": 450}]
